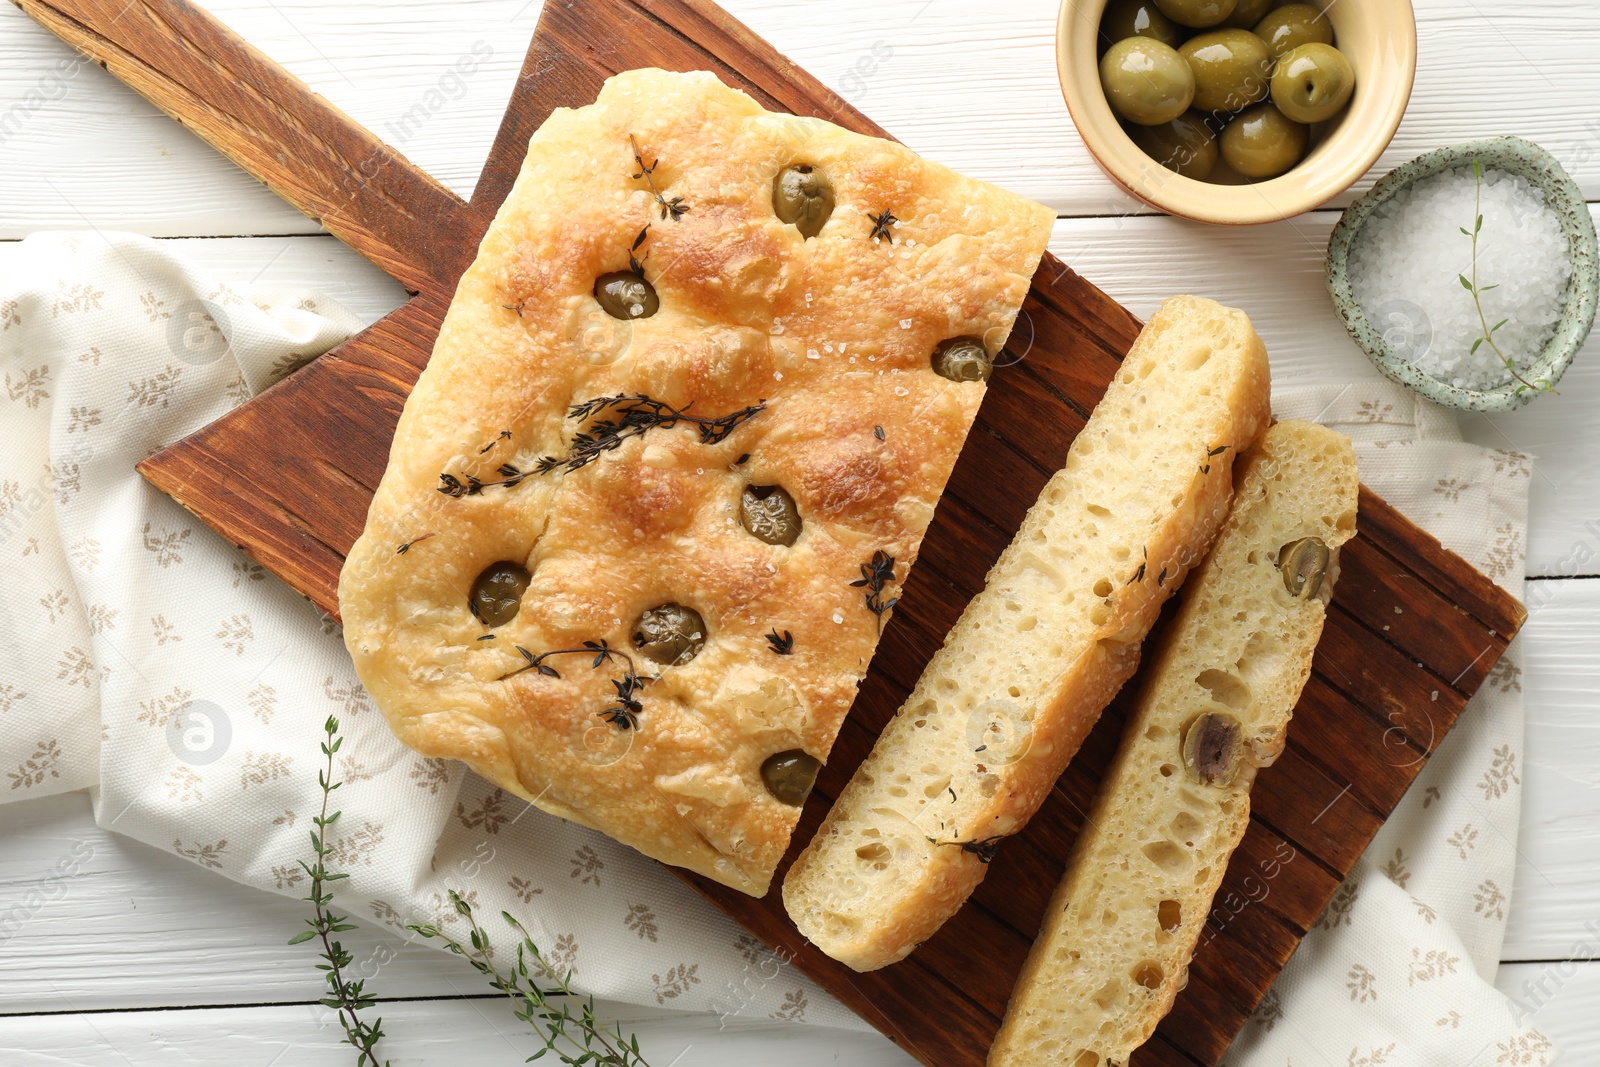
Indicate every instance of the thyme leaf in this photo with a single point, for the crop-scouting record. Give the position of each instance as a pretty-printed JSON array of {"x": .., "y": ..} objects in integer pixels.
[
  {"x": 876, "y": 574},
  {"x": 782, "y": 644},
  {"x": 575, "y": 1037},
  {"x": 881, "y": 224},
  {"x": 673, "y": 208},
  {"x": 405, "y": 546},
  {"x": 624, "y": 711},
  {"x": 633, "y": 416},
  {"x": 348, "y": 998}
]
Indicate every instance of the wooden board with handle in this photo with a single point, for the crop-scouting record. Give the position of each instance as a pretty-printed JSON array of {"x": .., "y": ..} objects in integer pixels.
[{"x": 289, "y": 475}]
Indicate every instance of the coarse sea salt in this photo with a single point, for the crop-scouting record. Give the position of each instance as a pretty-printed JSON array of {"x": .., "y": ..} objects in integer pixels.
[{"x": 1407, "y": 262}]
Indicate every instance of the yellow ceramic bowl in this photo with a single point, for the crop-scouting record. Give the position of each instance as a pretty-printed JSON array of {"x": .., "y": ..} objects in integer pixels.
[{"x": 1378, "y": 36}]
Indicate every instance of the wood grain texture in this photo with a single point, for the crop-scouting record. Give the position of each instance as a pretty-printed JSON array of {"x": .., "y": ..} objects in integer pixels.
[{"x": 312, "y": 447}]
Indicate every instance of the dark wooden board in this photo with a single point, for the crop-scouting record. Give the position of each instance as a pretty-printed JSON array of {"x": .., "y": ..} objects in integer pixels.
[{"x": 288, "y": 476}]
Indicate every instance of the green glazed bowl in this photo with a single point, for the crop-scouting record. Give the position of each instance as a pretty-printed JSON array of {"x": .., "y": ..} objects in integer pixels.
[{"x": 1562, "y": 195}]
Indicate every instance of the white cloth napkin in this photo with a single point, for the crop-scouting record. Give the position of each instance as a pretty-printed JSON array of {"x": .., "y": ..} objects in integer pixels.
[{"x": 153, "y": 661}]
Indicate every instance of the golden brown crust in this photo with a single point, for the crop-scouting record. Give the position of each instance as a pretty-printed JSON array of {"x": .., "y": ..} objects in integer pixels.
[{"x": 831, "y": 334}]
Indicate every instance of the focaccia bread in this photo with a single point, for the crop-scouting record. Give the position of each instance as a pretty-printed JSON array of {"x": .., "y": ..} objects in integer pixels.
[
  {"x": 648, "y": 506},
  {"x": 1117, "y": 938},
  {"x": 1036, "y": 656}
]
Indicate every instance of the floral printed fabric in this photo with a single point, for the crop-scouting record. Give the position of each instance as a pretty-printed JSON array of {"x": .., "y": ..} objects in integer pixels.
[
  {"x": 149, "y": 657},
  {"x": 1397, "y": 972}
]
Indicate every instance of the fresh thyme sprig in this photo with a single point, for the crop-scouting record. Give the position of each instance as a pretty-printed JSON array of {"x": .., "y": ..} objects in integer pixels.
[
  {"x": 875, "y": 575},
  {"x": 346, "y": 997},
  {"x": 1541, "y": 385},
  {"x": 633, "y": 416},
  {"x": 624, "y": 714},
  {"x": 674, "y": 208},
  {"x": 468, "y": 485},
  {"x": 576, "y": 1039}
]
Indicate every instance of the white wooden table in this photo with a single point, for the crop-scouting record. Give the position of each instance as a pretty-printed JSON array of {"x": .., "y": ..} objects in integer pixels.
[{"x": 146, "y": 959}]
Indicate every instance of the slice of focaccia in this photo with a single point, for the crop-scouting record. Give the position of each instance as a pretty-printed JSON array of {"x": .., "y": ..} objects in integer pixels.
[
  {"x": 683, "y": 429},
  {"x": 1117, "y": 938},
  {"x": 1024, "y": 674}
]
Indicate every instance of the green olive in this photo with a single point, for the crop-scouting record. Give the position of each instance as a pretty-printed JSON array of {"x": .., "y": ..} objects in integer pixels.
[
  {"x": 1246, "y": 14},
  {"x": 1293, "y": 25},
  {"x": 626, "y": 295},
  {"x": 790, "y": 775},
  {"x": 768, "y": 512},
  {"x": 670, "y": 634},
  {"x": 1185, "y": 145},
  {"x": 1212, "y": 748},
  {"x": 962, "y": 359},
  {"x": 1231, "y": 69},
  {"x": 1137, "y": 18},
  {"x": 497, "y": 593},
  {"x": 1313, "y": 83},
  {"x": 1199, "y": 14},
  {"x": 1261, "y": 143},
  {"x": 1146, "y": 81},
  {"x": 1304, "y": 564},
  {"x": 802, "y": 196}
]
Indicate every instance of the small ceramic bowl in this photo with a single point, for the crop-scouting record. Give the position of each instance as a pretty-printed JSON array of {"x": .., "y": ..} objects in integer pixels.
[
  {"x": 1378, "y": 36},
  {"x": 1514, "y": 156}
]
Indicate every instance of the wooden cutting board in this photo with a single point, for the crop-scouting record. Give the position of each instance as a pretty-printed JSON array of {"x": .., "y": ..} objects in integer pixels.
[{"x": 1413, "y": 631}]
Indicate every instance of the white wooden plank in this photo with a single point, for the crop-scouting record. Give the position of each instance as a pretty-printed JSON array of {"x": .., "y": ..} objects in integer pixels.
[
  {"x": 970, "y": 85},
  {"x": 1558, "y": 868},
  {"x": 1559, "y": 999},
  {"x": 444, "y": 1033},
  {"x": 127, "y": 926}
]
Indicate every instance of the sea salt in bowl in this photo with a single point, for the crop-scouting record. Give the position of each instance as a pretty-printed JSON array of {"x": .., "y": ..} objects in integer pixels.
[{"x": 1400, "y": 345}]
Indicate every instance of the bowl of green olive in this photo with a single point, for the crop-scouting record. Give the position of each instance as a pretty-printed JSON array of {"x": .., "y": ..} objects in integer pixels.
[{"x": 1236, "y": 112}]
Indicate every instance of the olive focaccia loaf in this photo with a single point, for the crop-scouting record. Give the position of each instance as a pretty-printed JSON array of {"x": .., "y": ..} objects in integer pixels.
[
  {"x": 1214, "y": 708},
  {"x": 683, "y": 429},
  {"x": 1036, "y": 656}
]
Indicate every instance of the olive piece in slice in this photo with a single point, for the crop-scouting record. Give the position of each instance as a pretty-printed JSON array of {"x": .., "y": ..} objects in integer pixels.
[
  {"x": 1293, "y": 25},
  {"x": 1304, "y": 564},
  {"x": 497, "y": 592},
  {"x": 1199, "y": 14},
  {"x": 1313, "y": 83},
  {"x": 1146, "y": 81},
  {"x": 1263, "y": 143},
  {"x": 1231, "y": 69},
  {"x": 1185, "y": 145},
  {"x": 626, "y": 295},
  {"x": 768, "y": 512},
  {"x": 802, "y": 196},
  {"x": 1212, "y": 749},
  {"x": 670, "y": 634},
  {"x": 1137, "y": 18},
  {"x": 962, "y": 359},
  {"x": 790, "y": 775}
]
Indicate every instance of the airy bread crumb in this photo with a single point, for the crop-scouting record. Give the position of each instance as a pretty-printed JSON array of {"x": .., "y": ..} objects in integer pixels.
[
  {"x": 1122, "y": 927},
  {"x": 1037, "y": 655}
]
